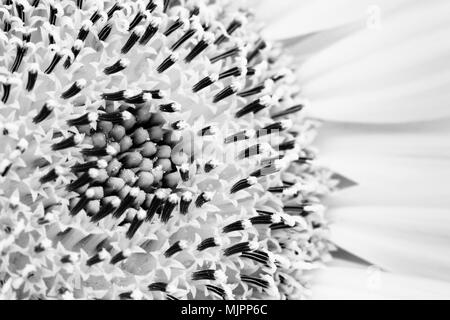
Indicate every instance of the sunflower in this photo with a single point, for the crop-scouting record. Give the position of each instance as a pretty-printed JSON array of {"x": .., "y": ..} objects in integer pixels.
[{"x": 165, "y": 150}]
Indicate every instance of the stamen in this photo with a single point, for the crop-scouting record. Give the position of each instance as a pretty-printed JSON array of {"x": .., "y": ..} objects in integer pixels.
[
  {"x": 5, "y": 166},
  {"x": 76, "y": 48},
  {"x": 253, "y": 151},
  {"x": 114, "y": 96},
  {"x": 167, "y": 4},
  {"x": 44, "y": 245},
  {"x": 111, "y": 205},
  {"x": 267, "y": 170},
  {"x": 175, "y": 248},
  {"x": 256, "y": 106},
  {"x": 186, "y": 200},
  {"x": 47, "y": 218},
  {"x": 240, "y": 136},
  {"x": 85, "y": 119},
  {"x": 289, "y": 111},
  {"x": 32, "y": 77},
  {"x": 20, "y": 11},
  {"x": 52, "y": 15},
  {"x": 211, "y": 165},
  {"x": 289, "y": 145},
  {"x": 185, "y": 37},
  {"x": 205, "y": 82},
  {"x": 90, "y": 193},
  {"x": 70, "y": 258},
  {"x": 169, "y": 206},
  {"x": 76, "y": 87},
  {"x": 158, "y": 286},
  {"x": 99, "y": 152},
  {"x": 203, "y": 198},
  {"x": 21, "y": 51},
  {"x": 234, "y": 25},
  {"x": 233, "y": 72},
  {"x": 131, "y": 295},
  {"x": 157, "y": 94},
  {"x": 240, "y": 247},
  {"x": 26, "y": 36},
  {"x": 216, "y": 290},
  {"x": 256, "y": 281},
  {"x": 209, "y": 274},
  {"x": 51, "y": 39},
  {"x": 155, "y": 204},
  {"x": 168, "y": 62},
  {"x": 95, "y": 17},
  {"x": 83, "y": 180},
  {"x": 184, "y": 172},
  {"x": 171, "y": 107},
  {"x": 227, "y": 92},
  {"x": 84, "y": 30},
  {"x": 136, "y": 20},
  {"x": 97, "y": 258},
  {"x": 208, "y": 131},
  {"x": 237, "y": 226},
  {"x": 136, "y": 223},
  {"x": 264, "y": 87},
  {"x": 52, "y": 175},
  {"x": 134, "y": 37},
  {"x": 280, "y": 226},
  {"x": 104, "y": 32},
  {"x": 244, "y": 184},
  {"x": 45, "y": 111},
  {"x": 259, "y": 46},
  {"x": 136, "y": 98},
  {"x": 274, "y": 128},
  {"x": 150, "y": 31},
  {"x": 195, "y": 11},
  {"x": 127, "y": 202},
  {"x": 174, "y": 26},
  {"x": 6, "y": 91},
  {"x": 119, "y": 65},
  {"x": 201, "y": 46},
  {"x": 7, "y": 25},
  {"x": 266, "y": 219},
  {"x": 113, "y": 9},
  {"x": 83, "y": 167},
  {"x": 227, "y": 54},
  {"x": 70, "y": 142},
  {"x": 209, "y": 243},
  {"x": 258, "y": 256},
  {"x": 281, "y": 74},
  {"x": 56, "y": 58},
  {"x": 122, "y": 255}
]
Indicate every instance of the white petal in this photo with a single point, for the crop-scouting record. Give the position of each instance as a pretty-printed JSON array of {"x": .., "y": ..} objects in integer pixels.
[
  {"x": 396, "y": 74},
  {"x": 289, "y": 18},
  {"x": 355, "y": 283},
  {"x": 304, "y": 46},
  {"x": 407, "y": 240},
  {"x": 401, "y": 165}
]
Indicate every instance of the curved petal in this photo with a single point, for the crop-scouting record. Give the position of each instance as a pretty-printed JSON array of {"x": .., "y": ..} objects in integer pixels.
[
  {"x": 393, "y": 165},
  {"x": 304, "y": 46},
  {"x": 349, "y": 282},
  {"x": 407, "y": 240},
  {"x": 395, "y": 216},
  {"x": 397, "y": 73},
  {"x": 290, "y": 18}
]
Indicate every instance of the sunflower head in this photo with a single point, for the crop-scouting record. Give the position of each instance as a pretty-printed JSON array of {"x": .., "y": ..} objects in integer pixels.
[{"x": 153, "y": 149}]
